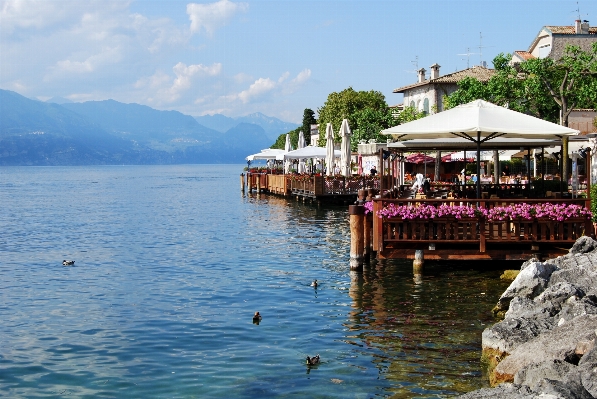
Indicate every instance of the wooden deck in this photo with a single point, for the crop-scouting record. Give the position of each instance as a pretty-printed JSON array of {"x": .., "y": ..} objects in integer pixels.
[
  {"x": 475, "y": 238},
  {"x": 316, "y": 188}
]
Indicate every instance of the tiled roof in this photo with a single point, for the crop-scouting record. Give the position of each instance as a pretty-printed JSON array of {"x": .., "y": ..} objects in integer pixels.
[
  {"x": 569, "y": 30},
  {"x": 481, "y": 73},
  {"x": 524, "y": 55}
]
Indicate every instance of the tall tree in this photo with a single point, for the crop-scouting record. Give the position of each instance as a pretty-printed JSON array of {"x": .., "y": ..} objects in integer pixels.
[
  {"x": 308, "y": 120},
  {"x": 347, "y": 104}
]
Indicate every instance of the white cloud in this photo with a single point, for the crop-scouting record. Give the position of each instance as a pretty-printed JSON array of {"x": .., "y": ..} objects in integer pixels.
[
  {"x": 211, "y": 16},
  {"x": 262, "y": 86},
  {"x": 91, "y": 63}
]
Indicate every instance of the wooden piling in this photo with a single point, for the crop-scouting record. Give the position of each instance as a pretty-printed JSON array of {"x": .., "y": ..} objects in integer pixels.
[
  {"x": 242, "y": 182},
  {"x": 258, "y": 183},
  {"x": 418, "y": 262},
  {"x": 368, "y": 222},
  {"x": 357, "y": 217}
]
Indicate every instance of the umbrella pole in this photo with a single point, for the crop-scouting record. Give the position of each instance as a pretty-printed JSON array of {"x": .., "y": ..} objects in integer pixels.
[{"x": 478, "y": 164}]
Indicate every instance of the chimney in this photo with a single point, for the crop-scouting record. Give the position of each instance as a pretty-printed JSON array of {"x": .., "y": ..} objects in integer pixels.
[
  {"x": 435, "y": 71},
  {"x": 421, "y": 73},
  {"x": 584, "y": 27},
  {"x": 577, "y": 27}
]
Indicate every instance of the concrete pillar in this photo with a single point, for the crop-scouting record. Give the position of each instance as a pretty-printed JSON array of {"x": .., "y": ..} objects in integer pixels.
[
  {"x": 357, "y": 216},
  {"x": 418, "y": 262}
]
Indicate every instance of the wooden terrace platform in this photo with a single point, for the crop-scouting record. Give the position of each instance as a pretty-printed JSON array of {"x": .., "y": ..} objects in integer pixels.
[
  {"x": 337, "y": 189},
  {"x": 475, "y": 238}
]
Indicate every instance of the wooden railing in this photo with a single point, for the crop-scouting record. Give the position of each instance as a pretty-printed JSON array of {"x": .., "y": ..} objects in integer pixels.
[{"x": 397, "y": 233}]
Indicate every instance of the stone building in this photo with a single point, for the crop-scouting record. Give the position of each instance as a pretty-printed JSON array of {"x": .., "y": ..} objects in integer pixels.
[
  {"x": 426, "y": 95},
  {"x": 551, "y": 41}
]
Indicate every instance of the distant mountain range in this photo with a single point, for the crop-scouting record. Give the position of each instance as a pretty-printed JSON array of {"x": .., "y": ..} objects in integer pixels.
[{"x": 59, "y": 132}]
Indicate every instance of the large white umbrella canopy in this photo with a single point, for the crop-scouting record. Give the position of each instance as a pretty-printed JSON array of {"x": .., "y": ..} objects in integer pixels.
[
  {"x": 345, "y": 148},
  {"x": 308, "y": 152},
  {"x": 479, "y": 118},
  {"x": 329, "y": 159},
  {"x": 287, "y": 148},
  {"x": 301, "y": 144},
  {"x": 268, "y": 153},
  {"x": 479, "y": 121}
]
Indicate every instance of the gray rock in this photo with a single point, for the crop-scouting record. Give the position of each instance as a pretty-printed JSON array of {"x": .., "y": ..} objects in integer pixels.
[
  {"x": 579, "y": 270},
  {"x": 574, "y": 307},
  {"x": 557, "y": 344},
  {"x": 583, "y": 245},
  {"x": 510, "y": 333},
  {"x": 587, "y": 367},
  {"x": 553, "y": 377},
  {"x": 529, "y": 283},
  {"x": 504, "y": 391},
  {"x": 548, "y": 304},
  {"x": 528, "y": 262}
]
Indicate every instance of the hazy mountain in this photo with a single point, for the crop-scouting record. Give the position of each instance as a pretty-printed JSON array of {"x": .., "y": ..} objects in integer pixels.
[
  {"x": 273, "y": 127},
  {"x": 37, "y": 133},
  {"x": 59, "y": 100},
  {"x": 110, "y": 132},
  {"x": 157, "y": 129}
]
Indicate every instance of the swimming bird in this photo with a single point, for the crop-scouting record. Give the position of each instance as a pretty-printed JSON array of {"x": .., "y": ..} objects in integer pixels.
[
  {"x": 312, "y": 361},
  {"x": 314, "y": 283},
  {"x": 256, "y": 318},
  {"x": 68, "y": 262}
]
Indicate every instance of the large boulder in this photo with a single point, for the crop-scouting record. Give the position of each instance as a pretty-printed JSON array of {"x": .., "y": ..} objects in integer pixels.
[
  {"x": 529, "y": 283},
  {"x": 504, "y": 391},
  {"x": 583, "y": 245},
  {"x": 557, "y": 344},
  {"x": 553, "y": 377},
  {"x": 588, "y": 371}
]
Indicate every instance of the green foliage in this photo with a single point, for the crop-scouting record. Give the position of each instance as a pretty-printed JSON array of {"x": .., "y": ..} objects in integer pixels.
[
  {"x": 538, "y": 87},
  {"x": 370, "y": 123},
  {"x": 408, "y": 114},
  {"x": 308, "y": 120},
  {"x": 281, "y": 140},
  {"x": 594, "y": 201},
  {"x": 350, "y": 104}
]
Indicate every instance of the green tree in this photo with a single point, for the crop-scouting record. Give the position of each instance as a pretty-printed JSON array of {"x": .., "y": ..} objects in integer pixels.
[
  {"x": 308, "y": 120},
  {"x": 348, "y": 104},
  {"x": 281, "y": 140}
]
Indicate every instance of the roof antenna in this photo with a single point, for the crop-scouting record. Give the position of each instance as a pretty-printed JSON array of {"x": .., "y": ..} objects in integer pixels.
[
  {"x": 468, "y": 57},
  {"x": 415, "y": 64}
]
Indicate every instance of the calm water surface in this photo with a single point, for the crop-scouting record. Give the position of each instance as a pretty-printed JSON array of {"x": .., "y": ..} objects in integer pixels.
[{"x": 171, "y": 264}]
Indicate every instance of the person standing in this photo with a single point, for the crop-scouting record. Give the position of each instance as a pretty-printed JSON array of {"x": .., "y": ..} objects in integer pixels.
[{"x": 506, "y": 171}]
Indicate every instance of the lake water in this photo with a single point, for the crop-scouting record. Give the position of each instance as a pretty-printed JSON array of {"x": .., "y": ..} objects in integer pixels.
[{"x": 171, "y": 262}]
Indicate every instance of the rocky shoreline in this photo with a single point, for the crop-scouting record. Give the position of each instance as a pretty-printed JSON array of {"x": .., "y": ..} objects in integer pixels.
[{"x": 545, "y": 345}]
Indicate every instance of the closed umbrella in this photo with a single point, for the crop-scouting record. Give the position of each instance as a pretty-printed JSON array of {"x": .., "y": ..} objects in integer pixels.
[
  {"x": 301, "y": 144},
  {"x": 345, "y": 148},
  {"x": 287, "y": 148},
  {"x": 329, "y": 146}
]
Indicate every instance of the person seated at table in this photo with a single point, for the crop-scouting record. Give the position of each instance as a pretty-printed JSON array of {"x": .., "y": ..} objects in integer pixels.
[
  {"x": 419, "y": 180},
  {"x": 426, "y": 186},
  {"x": 373, "y": 171}
]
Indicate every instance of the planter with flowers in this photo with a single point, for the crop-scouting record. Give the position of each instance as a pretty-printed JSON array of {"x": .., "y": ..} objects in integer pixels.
[{"x": 515, "y": 222}]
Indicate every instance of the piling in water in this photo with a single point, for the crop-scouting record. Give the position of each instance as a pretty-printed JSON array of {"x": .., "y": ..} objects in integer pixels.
[{"x": 357, "y": 223}]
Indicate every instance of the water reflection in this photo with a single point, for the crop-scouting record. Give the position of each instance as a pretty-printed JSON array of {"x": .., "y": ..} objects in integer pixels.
[{"x": 424, "y": 330}]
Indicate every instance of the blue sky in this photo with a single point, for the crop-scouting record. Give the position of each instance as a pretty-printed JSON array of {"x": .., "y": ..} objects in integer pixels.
[{"x": 239, "y": 57}]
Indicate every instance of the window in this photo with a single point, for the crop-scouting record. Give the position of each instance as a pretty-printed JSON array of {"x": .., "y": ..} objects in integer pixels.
[
  {"x": 412, "y": 104},
  {"x": 426, "y": 106},
  {"x": 544, "y": 50}
]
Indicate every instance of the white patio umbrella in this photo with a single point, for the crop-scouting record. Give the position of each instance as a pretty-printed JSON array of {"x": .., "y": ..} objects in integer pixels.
[
  {"x": 345, "y": 148},
  {"x": 301, "y": 144},
  {"x": 287, "y": 148},
  {"x": 479, "y": 121},
  {"x": 329, "y": 146}
]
